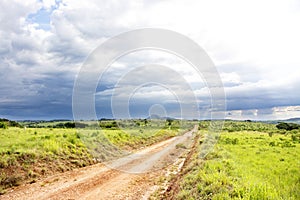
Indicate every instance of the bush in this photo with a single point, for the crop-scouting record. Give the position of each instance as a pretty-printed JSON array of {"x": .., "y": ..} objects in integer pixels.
[
  {"x": 69, "y": 125},
  {"x": 287, "y": 144},
  {"x": 233, "y": 141},
  {"x": 272, "y": 144},
  {"x": 3, "y": 125},
  {"x": 287, "y": 126},
  {"x": 108, "y": 124},
  {"x": 295, "y": 137}
]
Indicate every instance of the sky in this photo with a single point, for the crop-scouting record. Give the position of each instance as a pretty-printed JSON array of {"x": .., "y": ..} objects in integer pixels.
[{"x": 254, "y": 45}]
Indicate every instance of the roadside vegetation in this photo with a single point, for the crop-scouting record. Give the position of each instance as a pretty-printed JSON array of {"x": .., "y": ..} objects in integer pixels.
[
  {"x": 27, "y": 154},
  {"x": 31, "y": 150},
  {"x": 251, "y": 161}
]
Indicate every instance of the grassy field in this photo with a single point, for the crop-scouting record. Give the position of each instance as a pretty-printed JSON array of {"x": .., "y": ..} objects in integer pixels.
[
  {"x": 250, "y": 161},
  {"x": 245, "y": 164},
  {"x": 27, "y": 154}
]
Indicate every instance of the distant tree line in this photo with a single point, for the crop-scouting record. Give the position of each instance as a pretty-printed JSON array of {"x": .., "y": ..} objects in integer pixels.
[
  {"x": 69, "y": 125},
  {"x": 58, "y": 125},
  {"x": 232, "y": 126},
  {"x": 108, "y": 124},
  {"x": 4, "y": 123}
]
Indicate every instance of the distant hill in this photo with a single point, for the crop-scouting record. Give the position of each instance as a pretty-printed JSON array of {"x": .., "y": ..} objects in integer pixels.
[
  {"x": 295, "y": 120},
  {"x": 292, "y": 120},
  {"x": 159, "y": 117}
]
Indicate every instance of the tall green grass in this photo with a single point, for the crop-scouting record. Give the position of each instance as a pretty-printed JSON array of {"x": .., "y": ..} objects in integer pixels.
[
  {"x": 245, "y": 165},
  {"x": 28, "y": 153}
]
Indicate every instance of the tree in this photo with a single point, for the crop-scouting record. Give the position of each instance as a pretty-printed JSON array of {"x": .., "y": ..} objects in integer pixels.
[
  {"x": 3, "y": 125},
  {"x": 69, "y": 125},
  {"x": 169, "y": 122},
  {"x": 287, "y": 126}
]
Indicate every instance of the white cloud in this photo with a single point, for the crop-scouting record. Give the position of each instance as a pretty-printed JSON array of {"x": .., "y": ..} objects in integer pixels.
[
  {"x": 48, "y": 4},
  {"x": 255, "y": 44},
  {"x": 275, "y": 113}
]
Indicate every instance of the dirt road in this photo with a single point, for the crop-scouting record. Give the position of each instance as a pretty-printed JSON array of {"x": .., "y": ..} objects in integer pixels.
[{"x": 131, "y": 177}]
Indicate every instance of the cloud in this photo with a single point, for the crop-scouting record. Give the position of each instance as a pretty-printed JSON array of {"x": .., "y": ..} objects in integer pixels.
[
  {"x": 254, "y": 45},
  {"x": 275, "y": 113},
  {"x": 147, "y": 85}
]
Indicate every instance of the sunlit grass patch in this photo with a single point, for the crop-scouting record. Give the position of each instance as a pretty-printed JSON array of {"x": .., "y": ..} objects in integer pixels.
[{"x": 245, "y": 166}]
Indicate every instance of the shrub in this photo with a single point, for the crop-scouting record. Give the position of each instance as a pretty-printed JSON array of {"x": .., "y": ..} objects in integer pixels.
[
  {"x": 272, "y": 144},
  {"x": 295, "y": 137},
  {"x": 69, "y": 125},
  {"x": 233, "y": 141},
  {"x": 287, "y": 144},
  {"x": 270, "y": 134},
  {"x": 287, "y": 126},
  {"x": 3, "y": 125}
]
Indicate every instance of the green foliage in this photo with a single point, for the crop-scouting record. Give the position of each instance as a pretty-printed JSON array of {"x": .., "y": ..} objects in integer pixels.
[
  {"x": 227, "y": 140},
  {"x": 169, "y": 122},
  {"x": 232, "y": 126},
  {"x": 3, "y": 125},
  {"x": 28, "y": 153},
  {"x": 24, "y": 151},
  {"x": 245, "y": 165},
  {"x": 106, "y": 144},
  {"x": 70, "y": 125},
  {"x": 55, "y": 124},
  {"x": 14, "y": 124},
  {"x": 110, "y": 124},
  {"x": 287, "y": 126},
  {"x": 296, "y": 137}
]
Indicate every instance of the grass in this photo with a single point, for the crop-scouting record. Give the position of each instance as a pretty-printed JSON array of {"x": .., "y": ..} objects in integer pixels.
[
  {"x": 250, "y": 161},
  {"x": 245, "y": 165},
  {"x": 108, "y": 144},
  {"x": 27, "y": 154}
]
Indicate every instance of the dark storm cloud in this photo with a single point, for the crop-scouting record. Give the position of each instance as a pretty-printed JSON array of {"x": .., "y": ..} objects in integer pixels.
[
  {"x": 38, "y": 65},
  {"x": 48, "y": 97},
  {"x": 260, "y": 96}
]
